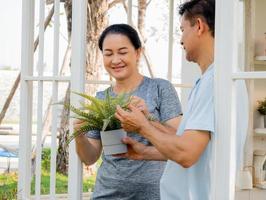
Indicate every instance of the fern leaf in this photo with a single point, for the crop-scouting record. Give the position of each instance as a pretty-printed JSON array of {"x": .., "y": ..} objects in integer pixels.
[{"x": 83, "y": 130}]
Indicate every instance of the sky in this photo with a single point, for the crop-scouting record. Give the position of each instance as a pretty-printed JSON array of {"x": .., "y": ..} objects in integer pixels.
[
  {"x": 10, "y": 39},
  {"x": 10, "y": 34},
  {"x": 157, "y": 25}
]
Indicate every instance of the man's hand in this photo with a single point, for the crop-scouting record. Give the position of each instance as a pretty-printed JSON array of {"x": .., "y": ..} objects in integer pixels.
[
  {"x": 135, "y": 150},
  {"x": 140, "y": 104},
  {"x": 131, "y": 121}
]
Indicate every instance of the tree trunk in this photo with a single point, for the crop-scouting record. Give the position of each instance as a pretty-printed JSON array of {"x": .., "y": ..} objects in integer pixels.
[
  {"x": 142, "y": 7},
  {"x": 62, "y": 151},
  {"x": 96, "y": 22}
]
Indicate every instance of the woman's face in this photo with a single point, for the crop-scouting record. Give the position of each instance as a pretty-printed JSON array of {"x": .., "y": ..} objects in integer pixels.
[{"x": 119, "y": 56}]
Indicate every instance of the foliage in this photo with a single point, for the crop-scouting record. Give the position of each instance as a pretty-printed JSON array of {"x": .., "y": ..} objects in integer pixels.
[
  {"x": 61, "y": 183},
  {"x": 8, "y": 185},
  {"x": 262, "y": 107},
  {"x": 46, "y": 158},
  {"x": 98, "y": 114}
]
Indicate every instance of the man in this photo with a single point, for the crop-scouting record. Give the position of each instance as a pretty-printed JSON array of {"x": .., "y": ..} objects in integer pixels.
[{"x": 187, "y": 173}]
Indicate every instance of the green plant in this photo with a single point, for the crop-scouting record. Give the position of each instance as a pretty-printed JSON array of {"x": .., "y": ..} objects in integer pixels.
[
  {"x": 8, "y": 186},
  {"x": 98, "y": 114},
  {"x": 262, "y": 107}
]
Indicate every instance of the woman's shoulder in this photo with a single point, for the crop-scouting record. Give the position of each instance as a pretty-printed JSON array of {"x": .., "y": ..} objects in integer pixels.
[
  {"x": 101, "y": 94},
  {"x": 159, "y": 82}
]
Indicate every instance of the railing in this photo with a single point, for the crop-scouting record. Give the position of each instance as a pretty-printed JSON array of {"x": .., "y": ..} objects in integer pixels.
[{"x": 27, "y": 79}]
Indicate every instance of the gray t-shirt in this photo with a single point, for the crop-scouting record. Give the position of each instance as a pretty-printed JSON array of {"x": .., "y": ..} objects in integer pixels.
[{"x": 123, "y": 179}]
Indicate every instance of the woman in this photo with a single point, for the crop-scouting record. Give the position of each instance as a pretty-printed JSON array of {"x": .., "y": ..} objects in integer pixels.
[{"x": 120, "y": 178}]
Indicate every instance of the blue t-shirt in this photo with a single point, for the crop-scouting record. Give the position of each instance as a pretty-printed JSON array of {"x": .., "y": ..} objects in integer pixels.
[
  {"x": 193, "y": 183},
  {"x": 123, "y": 179}
]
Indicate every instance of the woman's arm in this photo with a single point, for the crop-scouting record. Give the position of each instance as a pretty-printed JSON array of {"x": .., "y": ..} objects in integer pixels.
[{"x": 88, "y": 149}]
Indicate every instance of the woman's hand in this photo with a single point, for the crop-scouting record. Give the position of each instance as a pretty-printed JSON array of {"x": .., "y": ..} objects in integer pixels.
[{"x": 77, "y": 124}]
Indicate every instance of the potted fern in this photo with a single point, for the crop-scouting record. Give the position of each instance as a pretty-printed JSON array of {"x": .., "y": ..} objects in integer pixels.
[
  {"x": 98, "y": 114},
  {"x": 262, "y": 109}
]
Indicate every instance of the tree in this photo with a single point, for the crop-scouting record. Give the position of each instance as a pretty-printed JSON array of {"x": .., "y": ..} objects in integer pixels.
[{"x": 97, "y": 20}]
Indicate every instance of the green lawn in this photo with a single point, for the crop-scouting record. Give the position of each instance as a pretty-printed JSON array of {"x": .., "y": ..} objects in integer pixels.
[
  {"x": 8, "y": 181},
  {"x": 8, "y": 184}
]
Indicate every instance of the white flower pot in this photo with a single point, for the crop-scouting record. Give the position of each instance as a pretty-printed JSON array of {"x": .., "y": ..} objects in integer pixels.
[{"x": 111, "y": 142}]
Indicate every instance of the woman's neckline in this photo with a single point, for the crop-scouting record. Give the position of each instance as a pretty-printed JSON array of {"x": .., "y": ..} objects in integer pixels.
[{"x": 132, "y": 90}]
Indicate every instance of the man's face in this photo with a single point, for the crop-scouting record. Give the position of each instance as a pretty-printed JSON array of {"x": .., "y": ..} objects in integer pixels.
[{"x": 189, "y": 39}]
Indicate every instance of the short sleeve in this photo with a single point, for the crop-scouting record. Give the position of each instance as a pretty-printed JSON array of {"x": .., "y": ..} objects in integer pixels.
[
  {"x": 201, "y": 116},
  {"x": 95, "y": 134},
  {"x": 169, "y": 103}
]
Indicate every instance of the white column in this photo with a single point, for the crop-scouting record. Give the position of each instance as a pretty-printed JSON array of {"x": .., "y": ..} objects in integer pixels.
[
  {"x": 79, "y": 19},
  {"x": 40, "y": 66},
  {"x": 25, "y": 131},
  {"x": 170, "y": 39},
  {"x": 223, "y": 185},
  {"x": 54, "y": 100}
]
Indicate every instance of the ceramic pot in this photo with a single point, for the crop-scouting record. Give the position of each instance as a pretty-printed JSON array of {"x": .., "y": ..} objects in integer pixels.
[{"x": 111, "y": 142}]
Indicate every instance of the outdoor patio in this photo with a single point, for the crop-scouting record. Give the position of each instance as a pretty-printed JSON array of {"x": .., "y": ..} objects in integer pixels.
[{"x": 240, "y": 79}]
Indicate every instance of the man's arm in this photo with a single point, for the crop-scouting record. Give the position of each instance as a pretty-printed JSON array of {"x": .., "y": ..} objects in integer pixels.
[
  {"x": 169, "y": 127},
  {"x": 185, "y": 149},
  {"x": 139, "y": 151}
]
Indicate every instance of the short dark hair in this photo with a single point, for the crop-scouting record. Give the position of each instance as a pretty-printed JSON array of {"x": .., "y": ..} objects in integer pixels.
[
  {"x": 203, "y": 8},
  {"x": 123, "y": 29}
]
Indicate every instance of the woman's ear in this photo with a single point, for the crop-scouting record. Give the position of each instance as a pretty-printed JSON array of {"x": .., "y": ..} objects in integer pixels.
[{"x": 139, "y": 53}]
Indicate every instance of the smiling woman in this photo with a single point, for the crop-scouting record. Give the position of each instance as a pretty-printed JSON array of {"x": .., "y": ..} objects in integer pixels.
[
  {"x": 121, "y": 49},
  {"x": 121, "y": 178}
]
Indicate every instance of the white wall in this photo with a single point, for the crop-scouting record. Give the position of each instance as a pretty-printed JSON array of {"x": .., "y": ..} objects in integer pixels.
[
  {"x": 190, "y": 72},
  {"x": 259, "y": 85}
]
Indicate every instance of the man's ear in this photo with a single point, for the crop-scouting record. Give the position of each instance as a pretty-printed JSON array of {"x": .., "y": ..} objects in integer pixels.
[{"x": 202, "y": 27}]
